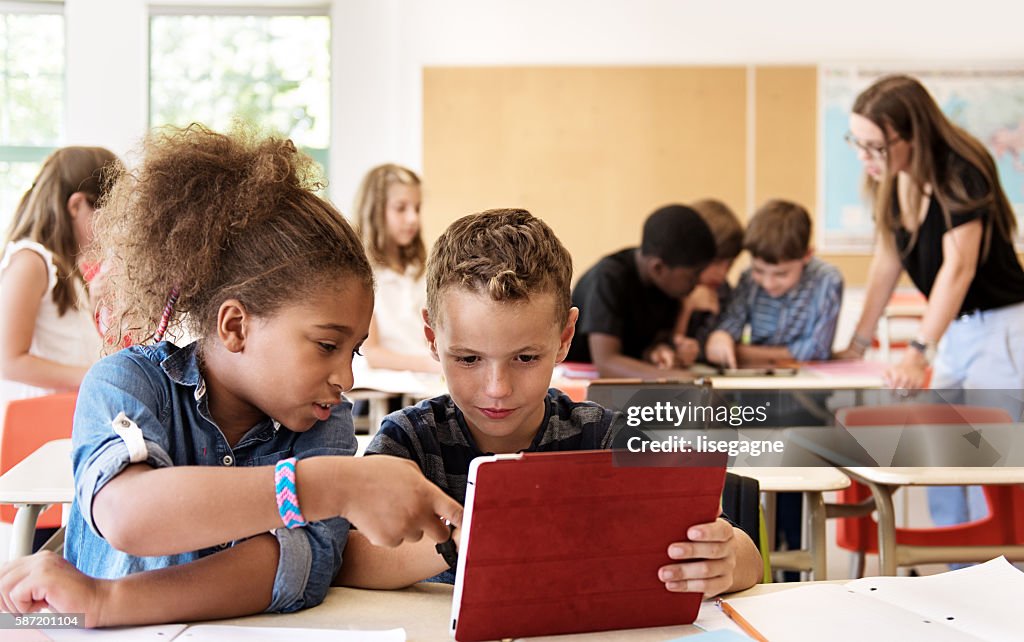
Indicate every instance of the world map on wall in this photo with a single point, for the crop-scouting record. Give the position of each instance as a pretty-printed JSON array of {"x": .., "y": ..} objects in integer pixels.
[{"x": 988, "y": 103}]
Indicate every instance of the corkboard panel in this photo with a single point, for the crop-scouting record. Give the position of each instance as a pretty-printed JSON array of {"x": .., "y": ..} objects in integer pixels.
[
  {"x": 786, "y": 148},
  {"x": 592, "y": 151}
]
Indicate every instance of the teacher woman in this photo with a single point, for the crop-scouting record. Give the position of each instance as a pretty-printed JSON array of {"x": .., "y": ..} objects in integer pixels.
[{"x": 941, "y": 215}]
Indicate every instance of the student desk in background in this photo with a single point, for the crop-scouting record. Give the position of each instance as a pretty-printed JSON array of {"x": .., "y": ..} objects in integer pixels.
[
  {"x": 813, "y": 483},
  {"x": 42, "y": 479},
  {"x": 825, "y": 375},
  {"x": 378, "y": 387},
  {"x": 928, "y": 449}
]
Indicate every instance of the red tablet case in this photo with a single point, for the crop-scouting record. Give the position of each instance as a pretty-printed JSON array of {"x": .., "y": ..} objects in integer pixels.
[{"x": 572, "y": 542}]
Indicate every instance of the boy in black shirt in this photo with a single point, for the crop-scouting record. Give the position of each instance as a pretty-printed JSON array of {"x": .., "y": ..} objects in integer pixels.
[{"x": 630, "y": 300}]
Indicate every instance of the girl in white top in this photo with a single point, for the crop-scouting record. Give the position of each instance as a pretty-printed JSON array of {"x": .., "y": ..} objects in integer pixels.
[
  {"x": 388, "y": 218},
  {"x": 47, "y": 335}
]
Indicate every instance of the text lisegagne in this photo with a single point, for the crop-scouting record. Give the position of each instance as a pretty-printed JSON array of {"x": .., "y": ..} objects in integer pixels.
[{"x": 704, "y": 444}]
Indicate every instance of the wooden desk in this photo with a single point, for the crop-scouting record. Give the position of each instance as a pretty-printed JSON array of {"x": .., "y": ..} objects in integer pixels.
[
  {"x": 930, "y": 449},
  {"x": 817, "y": 376},
  {"x": 423, "y": 610},
  {"x": 813, "y": 483},
  {"x": 42, "y": 479},
  {"x": 883, "y": 482}
]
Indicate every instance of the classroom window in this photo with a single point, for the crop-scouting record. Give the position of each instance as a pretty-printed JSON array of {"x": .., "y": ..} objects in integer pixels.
[
  {"x": 269, "y": 70},
  {"x": 31, "y": 96}
]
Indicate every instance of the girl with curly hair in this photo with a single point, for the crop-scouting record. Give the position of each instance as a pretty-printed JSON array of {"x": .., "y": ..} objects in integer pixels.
[{"x": 213, "y": 480}]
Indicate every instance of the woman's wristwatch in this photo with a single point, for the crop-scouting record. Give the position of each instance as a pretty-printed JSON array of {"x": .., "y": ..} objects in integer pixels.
[{"x": 925, "y": 347}]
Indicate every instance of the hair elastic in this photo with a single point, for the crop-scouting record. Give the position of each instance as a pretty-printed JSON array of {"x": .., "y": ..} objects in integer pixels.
[
  {"x": 287, "y": 495},
  {"x": 168, "y": 312}
]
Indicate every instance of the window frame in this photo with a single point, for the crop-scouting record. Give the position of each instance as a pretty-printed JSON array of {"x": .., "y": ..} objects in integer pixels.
[{"x": 322, "y": 155}]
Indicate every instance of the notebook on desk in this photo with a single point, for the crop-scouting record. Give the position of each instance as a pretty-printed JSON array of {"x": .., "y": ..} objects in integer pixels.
[
  {"x": 570, "y": 542},
  {"x": 975, "y": 603}
]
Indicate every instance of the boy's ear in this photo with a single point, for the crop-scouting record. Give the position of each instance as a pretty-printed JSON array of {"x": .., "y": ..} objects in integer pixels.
[
  {"x": 809, "y": 255},
  {"x": 428, "y": 332},
  {"x": 568, "y": 332},
  {"x": 656, "y": 266},
  {"x": 233, "y": 325}
]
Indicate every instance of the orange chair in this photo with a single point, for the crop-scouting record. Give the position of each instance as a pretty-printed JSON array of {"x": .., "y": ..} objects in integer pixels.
[
  {"x": 28, "y": 424},
  {"x": 1004, "y": 523}
]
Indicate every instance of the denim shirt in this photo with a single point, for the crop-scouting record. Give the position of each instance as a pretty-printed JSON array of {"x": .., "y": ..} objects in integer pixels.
[{"x": 161, "y": 390}]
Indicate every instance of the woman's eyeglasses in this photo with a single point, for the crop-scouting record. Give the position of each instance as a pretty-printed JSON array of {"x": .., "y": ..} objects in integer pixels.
[{"x": 873, "y": 150}]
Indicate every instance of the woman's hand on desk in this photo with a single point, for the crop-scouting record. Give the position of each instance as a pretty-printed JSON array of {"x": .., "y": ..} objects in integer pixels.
[
  {"x": 712, "y": 555},
  {"x": 47, "y": 580},
  {"x": 910, "y": 373}
]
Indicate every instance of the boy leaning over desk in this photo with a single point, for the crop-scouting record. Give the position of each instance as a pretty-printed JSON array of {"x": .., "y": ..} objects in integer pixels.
[
  {"x": 788, "y": 297},
  {"x": 498, "y": 319}
]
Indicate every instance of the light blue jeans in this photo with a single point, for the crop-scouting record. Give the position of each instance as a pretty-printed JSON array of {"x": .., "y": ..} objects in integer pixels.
[{"x": 981, "y": 354}]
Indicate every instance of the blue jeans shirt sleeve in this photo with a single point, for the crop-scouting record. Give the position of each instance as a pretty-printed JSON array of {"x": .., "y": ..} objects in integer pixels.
[
  {"x": 114, "y": 385},
  {"x": 309, "y": 560},
  {"x": 310, "y": 557}
]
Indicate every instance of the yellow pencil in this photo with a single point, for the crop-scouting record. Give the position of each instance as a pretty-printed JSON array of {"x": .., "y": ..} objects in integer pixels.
[{"x": 740, "y": 621}]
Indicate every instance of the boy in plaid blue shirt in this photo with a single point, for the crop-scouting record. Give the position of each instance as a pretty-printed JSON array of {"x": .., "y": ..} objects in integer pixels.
[{"x": 789, "y": 298}]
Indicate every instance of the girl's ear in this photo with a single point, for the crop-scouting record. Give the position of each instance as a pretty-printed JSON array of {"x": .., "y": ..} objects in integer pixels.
[
  {"x": 232, "y": 325},
  {"x": 75, "y": 203}
]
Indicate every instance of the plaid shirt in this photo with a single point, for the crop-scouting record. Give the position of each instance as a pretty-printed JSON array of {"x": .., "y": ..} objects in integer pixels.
[{"x": 803, "y": 319}]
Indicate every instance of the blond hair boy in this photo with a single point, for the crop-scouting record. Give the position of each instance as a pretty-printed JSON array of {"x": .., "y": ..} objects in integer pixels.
[{"x": 498, "y": 319}]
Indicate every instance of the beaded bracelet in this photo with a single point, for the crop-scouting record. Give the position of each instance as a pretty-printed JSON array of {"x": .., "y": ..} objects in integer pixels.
[{"x": 287, "y": 495}]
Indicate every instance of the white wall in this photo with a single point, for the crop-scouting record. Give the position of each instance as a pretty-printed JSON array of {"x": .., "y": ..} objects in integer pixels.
[
  {"x": 381, "y": 46},
  {"x": 107, "y": 58}
]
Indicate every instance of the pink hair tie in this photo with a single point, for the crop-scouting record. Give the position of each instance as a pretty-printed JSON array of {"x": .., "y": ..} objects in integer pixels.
[{"x": 165, "y": 318}]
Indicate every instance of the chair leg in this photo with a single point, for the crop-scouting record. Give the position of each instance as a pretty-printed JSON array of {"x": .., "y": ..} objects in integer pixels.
[{"x": 857, "y": 560}]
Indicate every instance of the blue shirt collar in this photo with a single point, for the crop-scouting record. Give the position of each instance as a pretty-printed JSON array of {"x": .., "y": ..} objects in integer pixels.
[{"x": 182, "y": 364}]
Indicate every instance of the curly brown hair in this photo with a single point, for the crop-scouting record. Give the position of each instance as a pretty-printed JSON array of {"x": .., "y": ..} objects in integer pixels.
[
  {"x": 217, "y": 217},
  {"x": 507, "y": 253}
]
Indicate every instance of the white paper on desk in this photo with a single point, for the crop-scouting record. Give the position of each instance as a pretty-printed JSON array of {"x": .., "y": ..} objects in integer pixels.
[
  {"x": 164, "y": 632},
  {"x": 228, "y": 633},
  {"x": 835, "y": 613},
  {"x": 711, "y": 618},
  {"x": 982, "y": 600}
]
